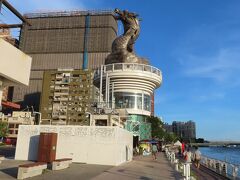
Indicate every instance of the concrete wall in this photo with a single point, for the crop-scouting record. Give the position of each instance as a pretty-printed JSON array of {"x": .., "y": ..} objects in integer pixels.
[
  {"x": 14, "y": 64},
  {"x": 92, "y": 145}
]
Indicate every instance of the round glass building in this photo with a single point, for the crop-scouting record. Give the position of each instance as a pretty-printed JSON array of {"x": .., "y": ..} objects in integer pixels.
[{"x": 128, "y": 88}]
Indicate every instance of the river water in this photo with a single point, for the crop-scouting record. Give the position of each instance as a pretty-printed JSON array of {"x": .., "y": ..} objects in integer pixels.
[{"x": 229, "y": 154}]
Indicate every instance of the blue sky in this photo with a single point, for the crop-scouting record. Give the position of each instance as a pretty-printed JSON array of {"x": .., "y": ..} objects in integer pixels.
[{"x": 196, "y": 44}]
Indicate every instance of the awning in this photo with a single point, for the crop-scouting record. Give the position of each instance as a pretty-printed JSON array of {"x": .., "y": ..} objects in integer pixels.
[{"x": 10, "y": 105}]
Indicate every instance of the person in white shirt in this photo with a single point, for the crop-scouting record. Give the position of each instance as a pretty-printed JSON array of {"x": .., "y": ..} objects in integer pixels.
[
  {"x": 197, "y": 158},
  {"x": 188, "y": 156}
]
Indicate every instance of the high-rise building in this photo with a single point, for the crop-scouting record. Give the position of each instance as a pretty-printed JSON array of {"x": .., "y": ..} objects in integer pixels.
[
  {"x": 168, "y": 127},
  {"x": 67, "y": 96},
  {"x": 63, "y": 40},
  {"x": 185, "y": 130}
]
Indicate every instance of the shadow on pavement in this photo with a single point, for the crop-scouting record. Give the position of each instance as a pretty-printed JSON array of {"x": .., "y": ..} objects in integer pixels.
[
  {"x": 8, "y": 151},
  {"x": 145, "y": 178},
  {"x": 11, "y": 171}
]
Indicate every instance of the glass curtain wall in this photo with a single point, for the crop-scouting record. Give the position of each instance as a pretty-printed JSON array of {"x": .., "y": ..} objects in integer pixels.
[{"x": 132, "y": 101}]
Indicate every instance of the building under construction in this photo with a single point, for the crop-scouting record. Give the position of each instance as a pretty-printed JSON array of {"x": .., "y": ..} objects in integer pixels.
[{"x": 69, "y": 39}]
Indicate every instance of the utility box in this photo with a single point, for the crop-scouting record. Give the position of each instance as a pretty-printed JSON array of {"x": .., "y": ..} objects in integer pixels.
[{"x": 47, "y": 147}]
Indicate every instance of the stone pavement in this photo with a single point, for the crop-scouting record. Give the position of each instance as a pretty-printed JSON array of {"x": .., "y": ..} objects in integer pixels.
[
  {"x": 9, "y": 169},
  {"x": 140, "y": 168},
  {"x": 144, "y": 168}
]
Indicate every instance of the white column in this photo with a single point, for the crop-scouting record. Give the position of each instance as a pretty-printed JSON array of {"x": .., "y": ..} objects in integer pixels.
[
  {"x": 108, "y": 91},
  {"x": 106, "y": 88},
  {"x": 101, "y": 74},
  {"x": 186, "y": 171},
  {"x": 113, "y": 101},
  {"x": 1, "y": 94},
  {"x": 234, "y": 171}
]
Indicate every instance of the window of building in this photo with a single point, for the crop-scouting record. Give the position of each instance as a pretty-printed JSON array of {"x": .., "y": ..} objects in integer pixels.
[
  {"x": 11, "y": 125},
  {"x": 147, "y": 102},
  {"x": 128, "y": 100}
]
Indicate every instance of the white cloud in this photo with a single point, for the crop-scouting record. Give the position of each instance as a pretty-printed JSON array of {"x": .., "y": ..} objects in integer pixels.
[
  {"x": 211, "y": 51},
  {"x": 224, "y": 66},
  {"x": 209, "y": 96}
]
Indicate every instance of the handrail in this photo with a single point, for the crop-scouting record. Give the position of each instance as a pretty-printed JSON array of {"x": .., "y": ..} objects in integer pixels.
[
  {"x": 129, "y": 66},
  {"x": 221, "y": 167}
]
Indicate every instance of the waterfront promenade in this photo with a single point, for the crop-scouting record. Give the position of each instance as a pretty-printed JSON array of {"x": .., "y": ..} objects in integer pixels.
[{"x": 140, "y": 168}]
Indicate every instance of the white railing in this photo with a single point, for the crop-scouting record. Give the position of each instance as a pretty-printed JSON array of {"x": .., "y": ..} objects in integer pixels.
[
  {"x": 221, "y": 167},
  {"x": 183, "y": 168},
  {"x": 128, "y": 67}
]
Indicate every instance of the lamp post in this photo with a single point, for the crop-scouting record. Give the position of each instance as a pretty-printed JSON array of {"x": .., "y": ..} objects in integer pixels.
[
  {"x": 39, "y": 115},
  {"x": 90, "y": 118}
]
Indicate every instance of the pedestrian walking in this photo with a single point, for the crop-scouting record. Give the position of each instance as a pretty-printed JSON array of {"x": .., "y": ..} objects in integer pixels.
[
  {"x": 187, "y": 156},
  {"x": 154, "y": 151},
  {"x": 183, "y": 147},
  {"x": 197, "y": 157}
]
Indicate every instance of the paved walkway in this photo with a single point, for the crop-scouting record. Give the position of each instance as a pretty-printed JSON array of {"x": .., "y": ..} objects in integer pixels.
[
  {"x": 144, "y": 168},
  {"x": 9, "y": 169},
  {"x": 141, "y": 168}
]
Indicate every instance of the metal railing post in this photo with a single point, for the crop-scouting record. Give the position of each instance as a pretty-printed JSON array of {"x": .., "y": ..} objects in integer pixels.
[
  {"x": 187, "y": 171},
  {"x": 234, "y": 171},
  {"x": 176, "y": 164}
]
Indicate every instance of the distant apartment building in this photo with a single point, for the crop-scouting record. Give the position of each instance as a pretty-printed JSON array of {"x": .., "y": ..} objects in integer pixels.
[
  {"x": 67, "y": 97},
  {"x": 168, "y": 127},
  {"x": 185, "y": 130},
  {"x": 66, "y": 39},
  {"x": 17, "y": 118}
]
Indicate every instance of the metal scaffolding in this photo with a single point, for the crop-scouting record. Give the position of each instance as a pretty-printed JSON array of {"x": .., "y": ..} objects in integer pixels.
[{"x": 68, "y": 13}]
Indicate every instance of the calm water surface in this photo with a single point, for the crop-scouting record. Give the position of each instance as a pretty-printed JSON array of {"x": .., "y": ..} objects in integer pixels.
[{"x": 229, "y": 154}]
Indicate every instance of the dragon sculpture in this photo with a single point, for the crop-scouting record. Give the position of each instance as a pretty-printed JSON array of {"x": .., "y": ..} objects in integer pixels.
[{"x": 123, "y": 46}]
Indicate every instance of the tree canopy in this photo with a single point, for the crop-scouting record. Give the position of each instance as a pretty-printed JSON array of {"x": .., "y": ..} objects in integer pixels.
[
  {"x": 3, "y": 129},
  {"x": 159, "y": 132}
]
